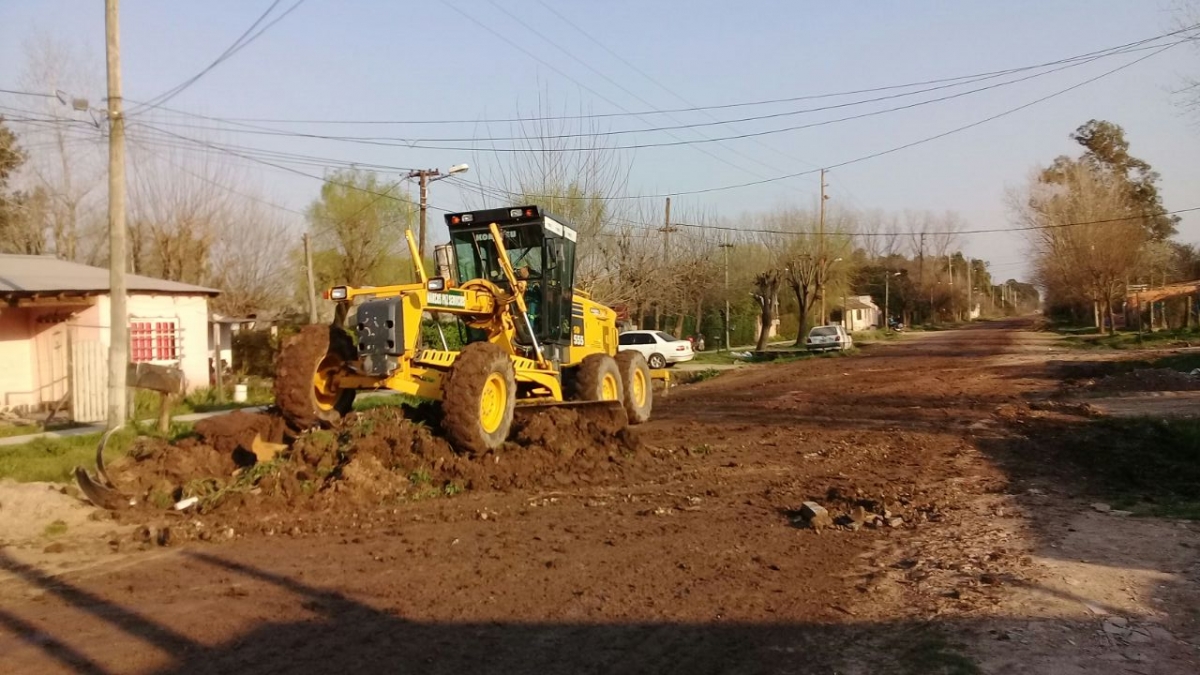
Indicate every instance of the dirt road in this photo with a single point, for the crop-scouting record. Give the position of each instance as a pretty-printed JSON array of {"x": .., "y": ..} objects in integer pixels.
[{"x": 993, "y": 560}]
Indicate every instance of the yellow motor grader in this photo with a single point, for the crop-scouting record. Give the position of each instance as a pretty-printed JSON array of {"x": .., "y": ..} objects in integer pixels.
[{"x": 506, "y": 282}]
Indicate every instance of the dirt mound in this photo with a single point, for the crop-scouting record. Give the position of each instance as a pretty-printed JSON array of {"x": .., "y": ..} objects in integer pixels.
[
  {"x": 1146, "y": 379},
  {"x": 374, "y": 458}
]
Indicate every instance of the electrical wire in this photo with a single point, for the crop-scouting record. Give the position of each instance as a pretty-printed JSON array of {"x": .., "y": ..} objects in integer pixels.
[
  {"x": 637, "y": 113},
  {"x": 240, "y": 43},
  {"x": 420, "y": 143}
]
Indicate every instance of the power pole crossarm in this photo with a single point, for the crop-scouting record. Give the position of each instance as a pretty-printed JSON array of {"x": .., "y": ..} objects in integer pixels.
[{"x": 118, "y": 346}]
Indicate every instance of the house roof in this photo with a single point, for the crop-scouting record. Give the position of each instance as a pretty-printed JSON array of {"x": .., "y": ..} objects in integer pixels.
[
  {"x": 23, "y": 275},
  {"x": 858, "y": 303}
]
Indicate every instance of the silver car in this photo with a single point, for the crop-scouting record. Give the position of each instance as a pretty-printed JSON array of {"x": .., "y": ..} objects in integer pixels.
[{"x": 829, "y": 338}]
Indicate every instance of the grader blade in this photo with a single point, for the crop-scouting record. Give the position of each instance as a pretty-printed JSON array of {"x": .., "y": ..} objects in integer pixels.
[
  {"x": 607, "y": 415},
  {"x": 265, "y": 451}
]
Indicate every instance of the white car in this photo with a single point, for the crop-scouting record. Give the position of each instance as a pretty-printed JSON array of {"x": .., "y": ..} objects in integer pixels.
[
  {"x": 829, "y": 338},
  {"x": 660, "y": 349}
]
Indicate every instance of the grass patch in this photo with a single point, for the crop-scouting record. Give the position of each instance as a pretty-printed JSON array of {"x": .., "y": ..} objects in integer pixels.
[
  {"x": 874, "y": 335},
  {"x": 205, "y": 399},
  {"x": 1148, "y": 466},
  {"x": 56, "y": 529},
  {"x": 53, "y": 459},
  {"x": 26, "y": 429},
  {"x": 1128, "y": 339},
  {"x": 20, "y": 430},
  {"x": 390, "y": 400}
]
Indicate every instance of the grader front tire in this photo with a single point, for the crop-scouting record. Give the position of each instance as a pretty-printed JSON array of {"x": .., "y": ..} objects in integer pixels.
[
  {"x": 479, "y": 395},
  {"x": 306, "y": 376}
]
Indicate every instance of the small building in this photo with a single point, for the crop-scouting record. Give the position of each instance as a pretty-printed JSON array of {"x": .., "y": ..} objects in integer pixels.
[
  {"x": 55, "y": 333},
  {"x": 861, "y": 313},
  {"x": 225, "y": 327}
]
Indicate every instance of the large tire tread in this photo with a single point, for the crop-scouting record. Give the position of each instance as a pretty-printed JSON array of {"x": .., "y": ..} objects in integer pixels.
[
  {"x": 294, "y": 369},
  {"x": 630, "y": 363},
  {"x": 590, "y": 375},
  {"x": 461, "y": 390}
]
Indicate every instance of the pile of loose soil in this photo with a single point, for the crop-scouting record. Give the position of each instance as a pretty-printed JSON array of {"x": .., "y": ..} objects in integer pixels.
[{"x": 373, "y": 458}]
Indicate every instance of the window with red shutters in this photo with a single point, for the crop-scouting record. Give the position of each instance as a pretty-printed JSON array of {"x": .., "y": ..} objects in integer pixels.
[{"x": 153, "y": 340}]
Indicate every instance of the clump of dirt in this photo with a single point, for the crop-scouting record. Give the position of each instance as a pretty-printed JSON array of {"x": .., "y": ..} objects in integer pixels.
[
  {"x": 234, "y": 434},
  {"x": 157, "y": 473},
  {"x": 294, "y": 368}
]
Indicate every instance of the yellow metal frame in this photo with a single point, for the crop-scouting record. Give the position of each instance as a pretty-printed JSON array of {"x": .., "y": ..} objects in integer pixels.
[{"x": 419, "y": 372}]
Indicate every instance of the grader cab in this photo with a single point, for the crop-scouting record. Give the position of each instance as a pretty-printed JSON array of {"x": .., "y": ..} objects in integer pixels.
[{"x": 506, "y": 292}]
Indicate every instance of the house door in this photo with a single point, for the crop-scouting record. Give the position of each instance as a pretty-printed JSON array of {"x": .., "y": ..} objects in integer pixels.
[{"x": 53, "y": 354}]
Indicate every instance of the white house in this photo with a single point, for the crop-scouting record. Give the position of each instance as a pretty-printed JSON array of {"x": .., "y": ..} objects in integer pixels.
[
  {"x": 54, "y": 332},
  {"x": 861, "y": 313}
]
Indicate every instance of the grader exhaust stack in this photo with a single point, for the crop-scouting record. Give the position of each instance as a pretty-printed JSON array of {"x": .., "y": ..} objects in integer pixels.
[{"x": 526, "y": 336}]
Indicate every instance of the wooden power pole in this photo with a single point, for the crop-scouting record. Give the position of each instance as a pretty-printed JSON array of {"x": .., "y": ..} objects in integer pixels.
[
  {"x": 312, "y": 285},
  {"x": 667, "y": 229},
  {"x": 118, "y": 344},
  {"x": 726, "y": 246},
  {"x": 821, "y": 247}
]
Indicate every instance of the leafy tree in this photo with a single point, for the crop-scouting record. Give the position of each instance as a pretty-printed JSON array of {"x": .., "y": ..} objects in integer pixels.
[
  {"x": 1107, "y": 151},
  {"x": 20, "y": 230},
  {"x": 357, "y": 227}
]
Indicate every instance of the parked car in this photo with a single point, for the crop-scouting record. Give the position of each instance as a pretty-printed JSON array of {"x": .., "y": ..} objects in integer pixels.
[
  {"x": 829, "y": 338},
  {"x": 660, "y": 349}
]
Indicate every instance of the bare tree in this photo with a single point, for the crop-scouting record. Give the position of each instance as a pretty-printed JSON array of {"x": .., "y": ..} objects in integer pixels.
[
  {"x": 69, "y": 166},
  {"x": 1079, "y": 250}
]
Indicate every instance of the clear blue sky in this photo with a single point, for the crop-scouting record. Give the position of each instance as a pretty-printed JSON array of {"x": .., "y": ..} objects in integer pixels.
[{"x": 356, "y": 59}]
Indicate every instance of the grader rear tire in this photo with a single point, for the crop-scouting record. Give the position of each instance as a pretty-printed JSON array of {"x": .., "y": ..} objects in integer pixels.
[
  {"x": 479, "y": 395},
  {"x": 637, "y": 386},
  {"x": 306, "y": 370},
  {"x": 598, "y": 379}
]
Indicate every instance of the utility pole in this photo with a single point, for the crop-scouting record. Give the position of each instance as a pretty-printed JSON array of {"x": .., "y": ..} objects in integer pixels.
[
  {"x": 921, "y": 270},
  {"x": 950, "y": 271},
  {"x": 726, "y": 246},
  {"x": 118, "y": 343},
  {"x": 821, "y": 248},
  {"x": 970, "y": 293},
  {"x": 425, "y": 177},
  {"x": 422, "y": 175},
  {"x": 312, "y": 287},
  {"x": 667, "y": 229}
]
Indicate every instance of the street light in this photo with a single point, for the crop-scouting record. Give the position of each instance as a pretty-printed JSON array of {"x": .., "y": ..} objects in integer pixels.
[
  {"x": 887, "y": 306},
  {"x": 427, "y": 176}
]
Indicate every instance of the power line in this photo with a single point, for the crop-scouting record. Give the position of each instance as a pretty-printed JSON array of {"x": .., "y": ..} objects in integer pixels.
[
  {"x": 727, "y": 228},
  {"x": 420, "y": 143},
  {"x": 26, "y": 93},
  {"x": 638, "y": 113},
  {"x": 323, "y": 179},
  {"x": 625, "y": 89},
  {"x": 856, "y": 160},
  {"x": 491, "y": 30},
  {"x": 240, "y": 43},
  {"x": 218, "y": 184}
]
